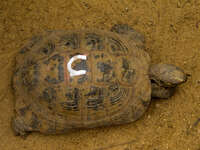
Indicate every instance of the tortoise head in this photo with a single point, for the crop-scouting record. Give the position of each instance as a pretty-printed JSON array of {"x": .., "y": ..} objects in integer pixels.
[{"x": 164, "y": 79}]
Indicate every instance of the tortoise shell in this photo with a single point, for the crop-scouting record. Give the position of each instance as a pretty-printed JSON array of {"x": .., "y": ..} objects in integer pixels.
[{"x": 80, "y": 79}]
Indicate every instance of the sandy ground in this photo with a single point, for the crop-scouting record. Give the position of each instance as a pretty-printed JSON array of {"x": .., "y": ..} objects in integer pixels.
[{"x": 172, "y": 31}]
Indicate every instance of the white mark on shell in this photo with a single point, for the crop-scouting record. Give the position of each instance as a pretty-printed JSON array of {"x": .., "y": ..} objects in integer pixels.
[{"x": 76, "y": 72}]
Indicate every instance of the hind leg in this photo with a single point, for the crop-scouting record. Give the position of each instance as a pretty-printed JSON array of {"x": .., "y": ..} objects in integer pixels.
[
  {"x": 19, "y": 127},
  {"x": 24, "y": 121}
]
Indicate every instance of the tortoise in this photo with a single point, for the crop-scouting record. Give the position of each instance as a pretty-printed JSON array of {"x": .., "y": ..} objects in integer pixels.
[{"x": 66, "y": 80}]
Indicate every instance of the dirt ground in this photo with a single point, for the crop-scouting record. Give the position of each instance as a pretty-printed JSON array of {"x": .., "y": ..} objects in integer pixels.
[{"x": 172, "y": 31}]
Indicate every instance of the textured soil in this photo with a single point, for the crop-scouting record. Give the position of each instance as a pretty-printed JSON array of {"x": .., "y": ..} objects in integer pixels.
[{"x": 172, "y": 31}]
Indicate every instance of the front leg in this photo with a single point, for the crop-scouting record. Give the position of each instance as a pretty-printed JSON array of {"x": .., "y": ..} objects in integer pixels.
[{"x": 161, "y": 92}]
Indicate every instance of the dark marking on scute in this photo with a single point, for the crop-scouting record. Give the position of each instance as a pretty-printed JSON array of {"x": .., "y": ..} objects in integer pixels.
[
  {"x": 51, "y": 80},
  {"x": 49, "y": 95},
  {"x": 94, "y": 41},
  {"x": 121, "y": 28},
  {"x": 82, "y": 79},
  {"x": 35, "y": 39},
  {"x": 125, "y": 64},
  {"x": 32, "y": 42},
  {"x": 32, "y": 82},
  {"x": 23, "y": 110},
  {"x": 35, "y": 75},
  {"x": 23, "y": 72},
  {"x": 72, "y": 100},
  {"x": 71, "y": 40},
  {"x": 116, "y": 93},
  {"x": 28, "y": 62},
  {"x": 117, "y": 46},
  {"x": 45, "y": 50},
  {"x": 127, "y": 73},
  {"x": 60, "y": 68},
  {"x": 95, "y": 98},
  {"x": 132, "y": 34},
  {"x": 50, "y": 107},
  {"x": 82, "y": 65},
  {"x": 104, "y": 67},
  {"x": 70, "y": 80},
  {"x": 97, "y": 56},
  {"x": 107, "y": 77},
  {"x": 108, "y": 73},
  {"x": 34, "y": 121},
  {"x": 48, "y": 48},
  {"x": 24, "y": 50},
  {"x": 123, "y": 118},
  {"x": 61, "y": 72},
  {"x": 53, "y": 67},
  {"x": 16, "y": 72}
]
